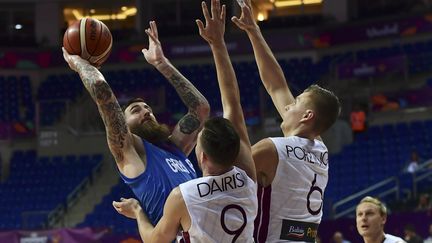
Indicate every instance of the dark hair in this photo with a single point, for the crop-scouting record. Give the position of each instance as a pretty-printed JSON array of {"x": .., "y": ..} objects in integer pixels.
[
  {"x": 220, "y": 141},
  {"x": 133, "y": 100},
  {"x": 326, "y": 105},
  {"x": 410, "y": 227}
]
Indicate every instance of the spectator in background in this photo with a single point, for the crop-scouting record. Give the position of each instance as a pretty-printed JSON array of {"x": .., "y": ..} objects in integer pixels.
[
  {"x": 411, "y": 235},
  {"x": 424, "y": 203},
  {"x": 380, "y": 102},
  {"x": 429, "y": 238},
  {"x": 358, "y": 120},
  {"x": 414, "y": 163},
  {"x": 338, "y": 238}
]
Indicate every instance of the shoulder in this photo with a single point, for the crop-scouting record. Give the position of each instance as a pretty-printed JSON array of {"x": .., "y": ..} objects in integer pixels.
[
  {"x": 266, "y": 148},
  {"x": 265, "y": 144},
  {"x": 393, "y": 239},
  {"x": 175, "y": 198}
]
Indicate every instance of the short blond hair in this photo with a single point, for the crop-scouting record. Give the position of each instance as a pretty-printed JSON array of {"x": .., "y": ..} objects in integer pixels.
[{"x": 381, "y": 207}]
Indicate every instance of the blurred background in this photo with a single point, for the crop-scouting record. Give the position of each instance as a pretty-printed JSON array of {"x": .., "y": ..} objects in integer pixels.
[{"x": 58, "y": 179}]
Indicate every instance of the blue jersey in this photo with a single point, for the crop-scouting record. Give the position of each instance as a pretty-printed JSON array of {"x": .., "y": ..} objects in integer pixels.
[{"x": 166, "y": 168}]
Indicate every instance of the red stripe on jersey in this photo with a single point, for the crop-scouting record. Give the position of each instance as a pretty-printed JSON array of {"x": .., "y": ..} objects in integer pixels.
[
  {"x": 186, "y": 237},
  {"x": 263, "y": 217}
]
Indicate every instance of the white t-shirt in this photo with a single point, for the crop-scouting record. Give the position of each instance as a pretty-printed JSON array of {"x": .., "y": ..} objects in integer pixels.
[
  {"x": 290, "y": 209},
  {"x": 221, "y": 207}
]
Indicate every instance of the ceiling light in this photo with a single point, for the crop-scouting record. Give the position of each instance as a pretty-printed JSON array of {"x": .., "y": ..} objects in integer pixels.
[{"x": 288, "y": 3}]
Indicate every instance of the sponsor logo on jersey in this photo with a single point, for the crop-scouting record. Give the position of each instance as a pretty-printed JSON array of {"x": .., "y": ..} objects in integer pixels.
[{"x": 298, "y": 231}]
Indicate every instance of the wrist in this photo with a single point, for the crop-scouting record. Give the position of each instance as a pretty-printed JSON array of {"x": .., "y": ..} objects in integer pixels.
[
  {"x": 254, "y": 32},
  {"x": 218, "y": 44},
  {"x": 137, "y": 210},
  {"x": 161, "y": 64}
]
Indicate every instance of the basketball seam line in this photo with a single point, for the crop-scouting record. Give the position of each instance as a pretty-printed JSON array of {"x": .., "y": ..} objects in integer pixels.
[
  {"x": 101, "y": 56},
  {"x": 97, "y": 43},
  {"x": 83, "y": 41}
]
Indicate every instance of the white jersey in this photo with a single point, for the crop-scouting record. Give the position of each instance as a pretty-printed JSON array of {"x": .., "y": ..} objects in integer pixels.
[
  {"x": 290, "y": 209},
  {"x": 222, "y": 208},
  {"x": 392, "y": 239}
]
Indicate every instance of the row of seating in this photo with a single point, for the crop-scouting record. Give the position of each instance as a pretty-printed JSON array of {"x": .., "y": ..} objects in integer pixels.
[{"x": 38, "y": 184}]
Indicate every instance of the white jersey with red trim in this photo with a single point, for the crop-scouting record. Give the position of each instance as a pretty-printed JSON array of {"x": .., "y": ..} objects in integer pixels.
[
  {"x": 290, "y": 209},
  {"x": 222, "y": 208}
]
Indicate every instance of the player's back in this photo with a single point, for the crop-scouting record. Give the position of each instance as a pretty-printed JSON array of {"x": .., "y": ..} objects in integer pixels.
[
  {"x": 290, "y": 209},
  {"x": 222, "y": 208}
]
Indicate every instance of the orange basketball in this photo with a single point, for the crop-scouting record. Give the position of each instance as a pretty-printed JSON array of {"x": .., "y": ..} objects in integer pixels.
[{"x": 89, "y": 38}]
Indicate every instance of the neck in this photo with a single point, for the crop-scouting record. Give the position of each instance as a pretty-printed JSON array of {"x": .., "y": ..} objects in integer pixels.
[
  {"x": 375, "y": 239},
  {"x": 215, "y": 171},
  {"x": 302, "y": 134}
]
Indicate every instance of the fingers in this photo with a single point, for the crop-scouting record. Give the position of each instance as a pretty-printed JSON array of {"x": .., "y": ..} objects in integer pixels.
[
  {"x": 65, "y": 54},
  {"x": 154, "y": 29},
  {"x": 150, "y": 33},
  {"x": 223, "y": 13},
  {"x": 205, "y": 11},
  {"x": 248, "y": 3},
  {"x": 200, "y": 25},
  {"x": 201, "y": 29},
  {"x": 237, "y": 22},
  {"x": 247, "y": 10},
  {"x": 215, "y": 8},
  {"x": 116, "y": 205}
]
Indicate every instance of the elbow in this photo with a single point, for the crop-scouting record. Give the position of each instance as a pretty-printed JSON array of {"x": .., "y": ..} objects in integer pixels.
[{"x": 204, "y": 110}]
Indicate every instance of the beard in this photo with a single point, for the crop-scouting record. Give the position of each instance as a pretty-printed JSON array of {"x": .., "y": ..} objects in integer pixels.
[{"x": 152, "y": 131}]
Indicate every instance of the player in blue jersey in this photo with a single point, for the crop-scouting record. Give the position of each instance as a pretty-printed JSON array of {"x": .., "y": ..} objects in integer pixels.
[
  {"x": 218, "y": 207},
  {"x": 151, "y": 160}
]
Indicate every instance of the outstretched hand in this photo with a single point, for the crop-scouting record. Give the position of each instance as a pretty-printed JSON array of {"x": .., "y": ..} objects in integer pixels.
[
  {"x": 73, "y": 60},
  {"x": 246, "y": 21},
  {"x": 214, "y": 29},
  {"x": 128, "y": 207},
  {"x": 154, "y": 54}
]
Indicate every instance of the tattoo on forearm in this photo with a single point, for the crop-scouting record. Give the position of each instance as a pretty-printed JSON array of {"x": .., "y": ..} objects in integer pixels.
[
  {"x": 89, "y": 75},
  {"x": 111, "y": 112},
  {"x": 116, "y": 127},
  {"x": 189, "y": 124},
  {"x": 188, "y": 93},
  {"x": 102, "y": 91}
]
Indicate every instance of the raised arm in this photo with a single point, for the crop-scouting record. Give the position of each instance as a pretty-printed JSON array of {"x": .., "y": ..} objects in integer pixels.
[
  {"x": 120, "y": 139},
  {"x": 213, "y": 33},
  {"x": 270, "y": 71},
  {"x": 186, "y": 130}
]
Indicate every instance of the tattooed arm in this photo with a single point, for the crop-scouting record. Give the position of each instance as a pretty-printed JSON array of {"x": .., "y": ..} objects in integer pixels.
[
  {"x": 120, "y": 140},
  {"x": 186, "y": 130}
]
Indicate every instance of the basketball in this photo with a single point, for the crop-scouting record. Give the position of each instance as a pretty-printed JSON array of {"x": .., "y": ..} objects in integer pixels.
[{"x": 89, "y": 38}]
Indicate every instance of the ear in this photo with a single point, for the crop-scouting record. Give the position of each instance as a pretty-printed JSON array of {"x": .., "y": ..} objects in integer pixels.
[
  {"x": 308, "y": 116},
  {"x": 384, "y": 219},
  {"x": 204, "y": 158}
]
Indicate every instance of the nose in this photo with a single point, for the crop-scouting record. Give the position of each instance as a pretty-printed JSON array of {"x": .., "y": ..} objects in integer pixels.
[{"x": 146, "y": 113}]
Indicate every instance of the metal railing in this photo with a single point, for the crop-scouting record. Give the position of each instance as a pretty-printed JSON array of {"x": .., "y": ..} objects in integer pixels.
[
  {"x": 355, "y": 197},
  {"x": 423, "y": 173},
  {"x": 58, "y": 213}
]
